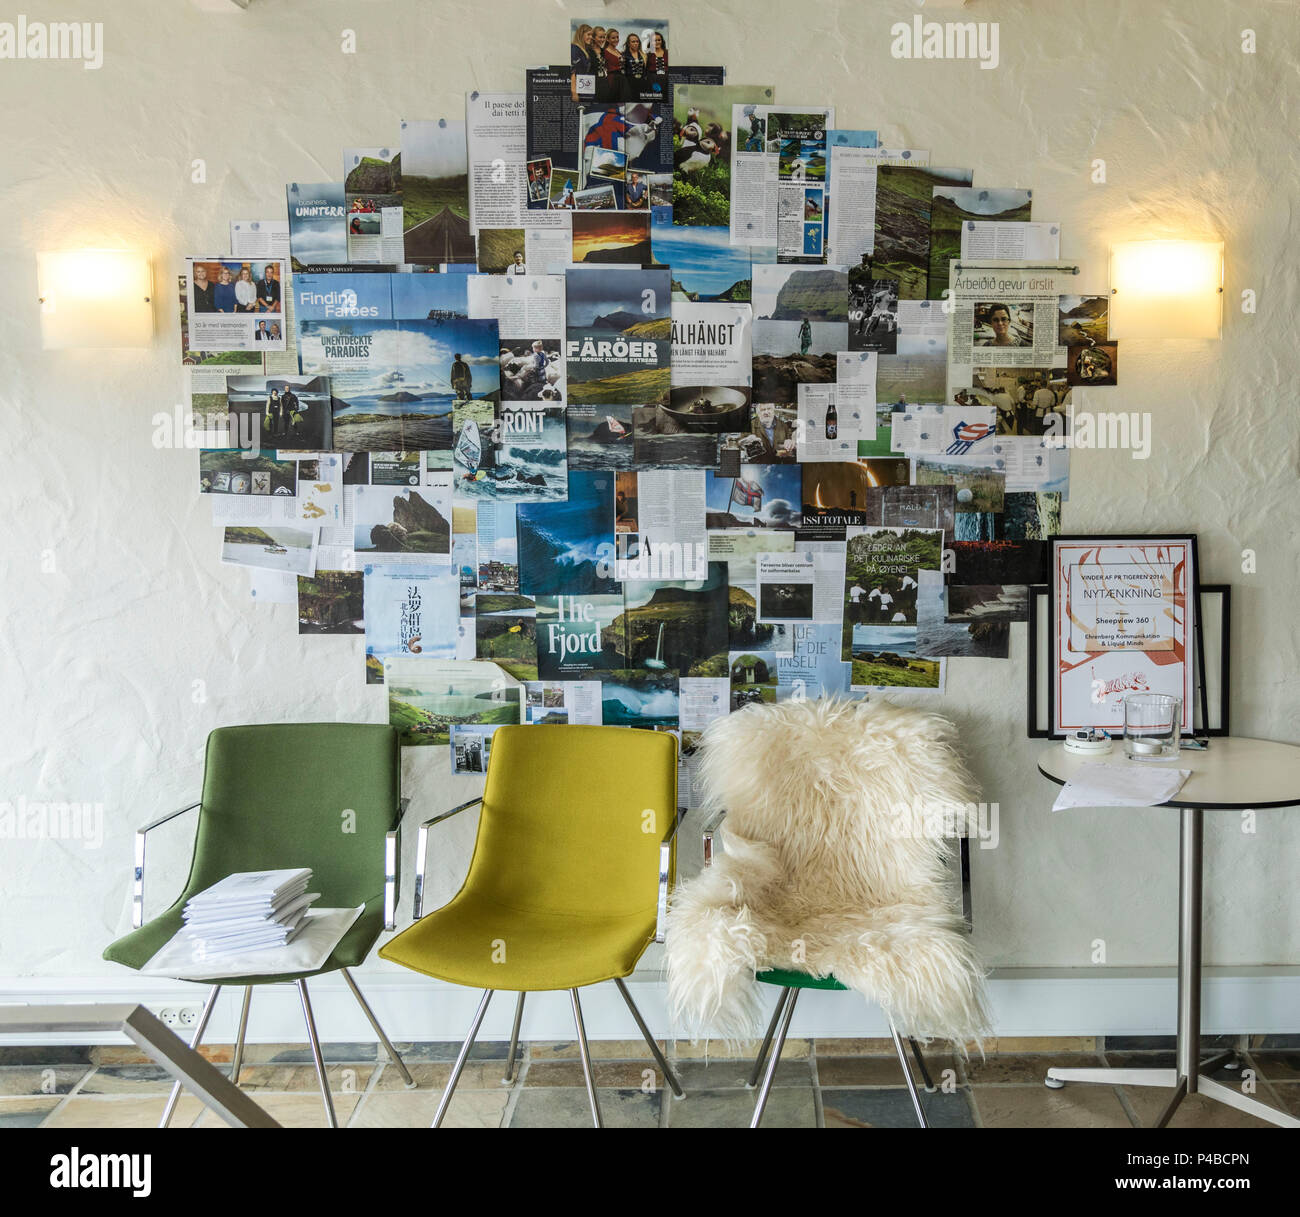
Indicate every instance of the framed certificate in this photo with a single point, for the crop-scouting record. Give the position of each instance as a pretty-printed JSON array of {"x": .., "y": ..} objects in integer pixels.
[{"x": 1122, "y": 617}]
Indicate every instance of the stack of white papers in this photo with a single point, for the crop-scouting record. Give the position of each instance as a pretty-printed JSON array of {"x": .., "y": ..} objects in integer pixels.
[
  {"x": 247, "y": 911},
  {"x": 1097, "y": 784}
]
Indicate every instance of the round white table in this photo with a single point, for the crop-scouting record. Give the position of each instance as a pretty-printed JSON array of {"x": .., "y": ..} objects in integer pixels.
[{"x": 1232, "y": 774}]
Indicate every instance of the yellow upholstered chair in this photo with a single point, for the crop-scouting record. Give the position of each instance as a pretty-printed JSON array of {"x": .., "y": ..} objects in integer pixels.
[{"x": 568, "y": 884}]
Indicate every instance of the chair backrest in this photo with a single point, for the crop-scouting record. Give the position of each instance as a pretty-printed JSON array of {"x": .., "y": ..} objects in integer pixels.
[
  {"x": 855, "y": 796},
  {"x": 573, "y": 817},
  {"x": 300, "y": 794}
]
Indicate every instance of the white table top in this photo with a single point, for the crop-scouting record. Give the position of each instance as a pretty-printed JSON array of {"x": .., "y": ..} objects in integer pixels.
[{"x": 1232, "y": 773}]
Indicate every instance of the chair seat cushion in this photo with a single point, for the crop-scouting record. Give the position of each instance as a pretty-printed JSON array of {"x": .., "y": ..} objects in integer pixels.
[
  {"x": 797, "y": 980},
  {"x": 471, "y": 941},
  {"x": 138, "y": 947}
]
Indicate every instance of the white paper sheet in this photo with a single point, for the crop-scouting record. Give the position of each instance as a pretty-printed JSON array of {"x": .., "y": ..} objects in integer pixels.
[{"x": 1136, "y": 784}]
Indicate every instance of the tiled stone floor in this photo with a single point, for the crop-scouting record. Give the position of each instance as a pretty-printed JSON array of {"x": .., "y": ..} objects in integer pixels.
[{"x": 820, "y": 1084}]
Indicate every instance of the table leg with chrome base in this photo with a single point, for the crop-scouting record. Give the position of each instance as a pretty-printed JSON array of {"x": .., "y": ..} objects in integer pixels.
[{"x": 1185, "y": 1078}]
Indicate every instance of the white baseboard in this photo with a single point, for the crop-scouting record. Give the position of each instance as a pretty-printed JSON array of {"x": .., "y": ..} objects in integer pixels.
[{"x": 1026, "y": 1002}]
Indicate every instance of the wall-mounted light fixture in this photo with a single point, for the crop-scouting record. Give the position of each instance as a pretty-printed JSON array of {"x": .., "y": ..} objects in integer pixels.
[
  {"x": 95, "y": 298},
  {"x": 1166, "y": 289}
]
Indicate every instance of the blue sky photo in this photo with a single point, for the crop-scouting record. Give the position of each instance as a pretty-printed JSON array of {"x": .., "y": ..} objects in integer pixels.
[{"x": 702, "y": 260}]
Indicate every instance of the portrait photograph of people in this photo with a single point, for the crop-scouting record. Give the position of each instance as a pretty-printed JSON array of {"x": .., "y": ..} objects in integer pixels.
[
  {"x": 232, "y": 286},
  {"x": 626, "y": 62}
]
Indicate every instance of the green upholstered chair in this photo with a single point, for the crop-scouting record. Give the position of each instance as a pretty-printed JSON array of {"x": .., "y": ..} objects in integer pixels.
[
  {"x": 569, "y": 879},
  {"x": 323, "y": 795},
  {"x": 791, "y": 983}
]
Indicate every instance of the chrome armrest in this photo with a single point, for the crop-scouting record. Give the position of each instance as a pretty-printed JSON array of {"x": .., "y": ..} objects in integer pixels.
[
  {"x": 137, "y": 893},
  {"x": 421, "y": 850},
  {"x": 392, "y": 866},
  {"x": 665, "y": 870},
  {"x": 710, "y": 827}
]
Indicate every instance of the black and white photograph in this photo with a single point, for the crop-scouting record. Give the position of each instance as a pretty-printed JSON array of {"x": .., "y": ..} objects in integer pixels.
[{"x": 873, "y": 312}]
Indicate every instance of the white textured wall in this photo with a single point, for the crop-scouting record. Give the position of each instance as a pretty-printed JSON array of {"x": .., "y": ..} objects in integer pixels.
[{"x": 98, "y": 658}]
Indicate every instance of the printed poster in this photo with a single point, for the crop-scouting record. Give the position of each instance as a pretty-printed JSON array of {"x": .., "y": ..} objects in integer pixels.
[
  {"x": 410, "y": 611},
  {"x": 904, "y": 200},
  {"x": 881, "y": 583},
  {"x": 778, "y": 178},
  {"x": 234, "y": 304},
  {"x": 1006, "y": 314},
  {"x": 1124, "y": 613},
  {"x": 618, "y": 338},
  {"x": 372, "y": 193},
  {"x": 965, "y": 222},
  {"x": 703, "y": 118},
  {"x": 497, "y": 131},
  {"x": 396, "y": 384},
  {"x": 431, "y": 701},
  {"x": 435, "y": 193},
  {"x": 318, "y": 233},
  {"x": 567, "y": 548}
]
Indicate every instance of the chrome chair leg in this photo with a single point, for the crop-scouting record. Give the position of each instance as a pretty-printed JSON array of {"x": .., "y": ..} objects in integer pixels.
[
  {"x": 314, "y": 1040},
  {"x": 514, "y": 1038},
  {"x": 767, "y": 1040},
  {"x": 456, "y": 1069},
  {"x": 926, "y": 1080},
  {"x": 669, "y": 1075},
  {"x": 237, "y": 1059},
  {"x": 586, "y": 1059},
  {"x": 907, "y": 1076},
  {"x": 775, "y": 1059},
  {"x": 194, "y": 1043},
  {"x": 379, "y": 1031}
]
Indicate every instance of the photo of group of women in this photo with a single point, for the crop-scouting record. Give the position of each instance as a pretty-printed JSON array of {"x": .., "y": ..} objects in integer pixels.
[{"x": 610, "y": 63}]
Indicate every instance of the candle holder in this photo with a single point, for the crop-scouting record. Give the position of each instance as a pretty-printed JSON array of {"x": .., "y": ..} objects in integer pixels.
[{"x": 1152, "y": 722}]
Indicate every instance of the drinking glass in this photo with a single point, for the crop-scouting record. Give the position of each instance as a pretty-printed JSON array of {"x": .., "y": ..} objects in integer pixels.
[{"x": 1152, "y": 722}]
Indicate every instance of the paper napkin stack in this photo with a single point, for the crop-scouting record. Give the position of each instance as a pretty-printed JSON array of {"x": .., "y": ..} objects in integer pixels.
[{"x": 248, "y": 911}]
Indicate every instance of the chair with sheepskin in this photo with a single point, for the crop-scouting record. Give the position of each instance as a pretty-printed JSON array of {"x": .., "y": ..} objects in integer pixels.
[{"x": 829, "y": 877}]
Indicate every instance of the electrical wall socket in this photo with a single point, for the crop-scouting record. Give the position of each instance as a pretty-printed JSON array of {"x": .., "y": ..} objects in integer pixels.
[{"x": 179, "y": 1018}]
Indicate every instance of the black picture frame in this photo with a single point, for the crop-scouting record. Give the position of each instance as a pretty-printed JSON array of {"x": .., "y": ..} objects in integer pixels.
[
  {"x": 1196, "y": 650},
  {"x": 1216, "y": 725},
  {"x": 1222, "y": 592}
]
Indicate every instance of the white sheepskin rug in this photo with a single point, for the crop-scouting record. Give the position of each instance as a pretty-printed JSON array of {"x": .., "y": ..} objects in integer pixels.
[{"x": 825, "y": 869}]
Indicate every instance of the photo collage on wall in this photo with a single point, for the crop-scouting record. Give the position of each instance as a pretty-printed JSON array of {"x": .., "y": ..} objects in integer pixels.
[{"x": 639, "y": 396}]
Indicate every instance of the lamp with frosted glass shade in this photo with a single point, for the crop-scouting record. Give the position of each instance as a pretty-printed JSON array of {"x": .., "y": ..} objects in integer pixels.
[
  {"x": 1166, "y": 289},
  {"x": 95, "y": 298}
]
